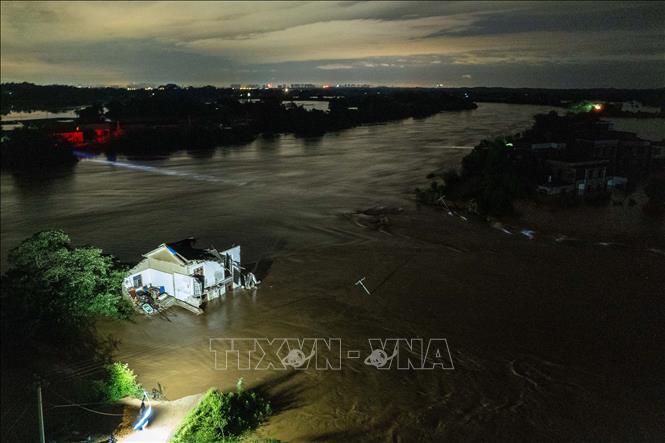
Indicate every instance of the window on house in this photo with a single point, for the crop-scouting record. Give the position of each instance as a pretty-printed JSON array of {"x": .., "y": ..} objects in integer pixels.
[{"x": 138, "y": 281}]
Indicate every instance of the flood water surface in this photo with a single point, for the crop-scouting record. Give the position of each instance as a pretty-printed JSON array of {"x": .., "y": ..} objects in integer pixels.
[
  {"x": 282, "y": 187},
  {"x": 549, "y": 340}
]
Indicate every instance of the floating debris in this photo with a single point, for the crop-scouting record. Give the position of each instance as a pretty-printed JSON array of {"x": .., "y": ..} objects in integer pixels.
[
  {"x": 360, "y": 282},
  {"x": 561, "y": 238},
  {"x": 528, "y": 233},
  {"x": 500, "y": 227},
  {"x": 657, "y": 251},
  {"x": 374, "y": 218}
]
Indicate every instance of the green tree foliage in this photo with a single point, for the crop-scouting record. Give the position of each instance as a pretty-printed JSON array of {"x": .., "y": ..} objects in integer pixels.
[
  {"x": 223, "y": 417},
  {"x": 51, "y": 283},
  {"x": 121, "y": 383}
]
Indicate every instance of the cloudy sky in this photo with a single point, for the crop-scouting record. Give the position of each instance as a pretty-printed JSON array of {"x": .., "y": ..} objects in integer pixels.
[{"x": 539, "y": 44}]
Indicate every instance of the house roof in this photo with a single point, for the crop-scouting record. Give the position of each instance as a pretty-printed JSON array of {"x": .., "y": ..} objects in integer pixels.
[{"x": 186, "y": 249}]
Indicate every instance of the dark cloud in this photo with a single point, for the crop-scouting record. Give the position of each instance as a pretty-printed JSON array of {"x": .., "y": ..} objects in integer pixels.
[
  {"x": 566, "y": 44},
  {"x": 606, "y": 17}
]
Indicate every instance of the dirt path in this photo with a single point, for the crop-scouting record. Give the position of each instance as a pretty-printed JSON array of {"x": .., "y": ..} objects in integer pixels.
[{"x": 167, "y": 416}]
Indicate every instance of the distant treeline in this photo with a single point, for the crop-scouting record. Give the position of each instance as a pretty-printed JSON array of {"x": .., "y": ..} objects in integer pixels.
[
  {"x": 28, "y": 96},
  {"x": 560, "y": 97},
  {"x": 176, "y": 120},
  {"x": 170, "y": 118}
]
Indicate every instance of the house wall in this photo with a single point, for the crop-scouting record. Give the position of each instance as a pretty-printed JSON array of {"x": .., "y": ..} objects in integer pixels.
[
  {"x": 152, "y": 277},
  {"x": 164, "y": 266},
  {"x": 159, "y": 278},
  {"x": 234, "y": 252},
  {"x": 184, "y": 286},
  {"x": 213, "y": 273}
]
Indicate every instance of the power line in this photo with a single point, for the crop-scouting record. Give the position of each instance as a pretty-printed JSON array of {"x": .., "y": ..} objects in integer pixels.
[{"x": 79, "y": 405}]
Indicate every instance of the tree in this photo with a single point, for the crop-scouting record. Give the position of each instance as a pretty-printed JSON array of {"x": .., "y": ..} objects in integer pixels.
[
  {"x": 52, "y": 282},
  {"x": 51, "y": 294}
]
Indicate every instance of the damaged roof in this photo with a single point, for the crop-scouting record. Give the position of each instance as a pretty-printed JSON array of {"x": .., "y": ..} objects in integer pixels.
[{"x": 186, "y": 249}]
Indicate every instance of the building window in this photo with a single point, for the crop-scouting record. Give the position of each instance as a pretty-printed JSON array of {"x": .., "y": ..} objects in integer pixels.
[{"x": 138, "y": 281}]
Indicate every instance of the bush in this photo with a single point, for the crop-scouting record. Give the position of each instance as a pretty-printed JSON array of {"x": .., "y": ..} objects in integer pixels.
[
  {"x": 121, "y": 383},
  {"x": 223, "y": 417},
  {"x": 64, "y": 284}
]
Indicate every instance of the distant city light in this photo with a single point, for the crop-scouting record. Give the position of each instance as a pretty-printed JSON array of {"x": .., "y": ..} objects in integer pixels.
[{"x": 597, "y": 107}]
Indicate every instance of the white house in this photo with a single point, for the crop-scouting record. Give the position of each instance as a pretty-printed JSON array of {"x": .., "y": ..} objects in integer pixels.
[{"x": 189, "y": 274}]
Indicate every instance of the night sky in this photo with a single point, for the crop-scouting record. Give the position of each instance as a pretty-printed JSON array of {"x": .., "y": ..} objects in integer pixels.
[{"x": 530, "y": 44}]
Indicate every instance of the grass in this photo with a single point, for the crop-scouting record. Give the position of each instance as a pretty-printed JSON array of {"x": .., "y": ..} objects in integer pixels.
[{"x": 224, "y": 417}]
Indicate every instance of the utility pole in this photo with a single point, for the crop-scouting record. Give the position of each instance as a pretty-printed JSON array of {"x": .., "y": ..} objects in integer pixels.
[{"x": 42, "y": 436}]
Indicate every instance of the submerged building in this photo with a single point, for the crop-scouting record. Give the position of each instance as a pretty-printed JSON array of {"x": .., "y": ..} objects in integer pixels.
[{"x": 191, "y": 275}]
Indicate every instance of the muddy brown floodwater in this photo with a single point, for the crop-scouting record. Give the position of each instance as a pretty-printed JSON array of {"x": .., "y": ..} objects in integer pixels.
[{"x": 551, "y": 340}]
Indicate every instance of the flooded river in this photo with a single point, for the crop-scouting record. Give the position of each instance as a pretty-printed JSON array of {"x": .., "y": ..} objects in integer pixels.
[
  {"x": 550, "y": 340},
  {"x": 285, "y": 188}
]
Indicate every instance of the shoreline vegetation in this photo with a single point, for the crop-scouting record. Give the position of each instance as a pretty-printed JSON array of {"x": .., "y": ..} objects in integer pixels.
[
  {"x": 224, "y": 417},
  {"x": 171, "y": 118},
  {"x": 28, "y": 96},
  {"x": 536, "y": 165},
  {"x": 52, "y": 295}
]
